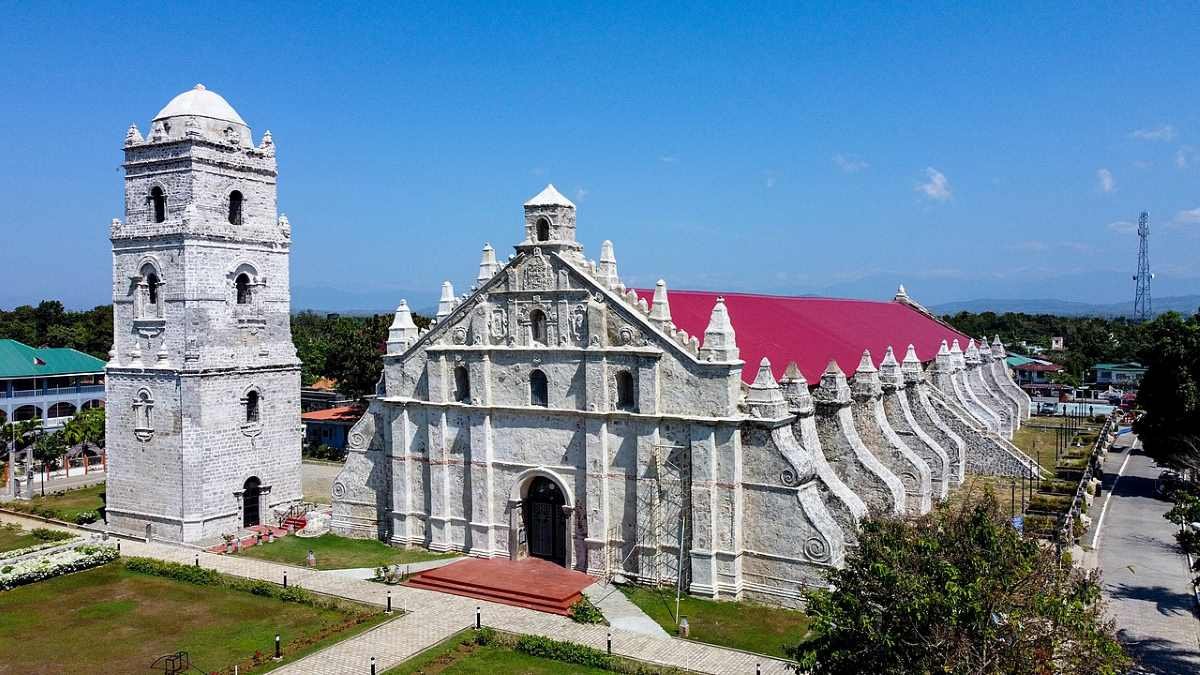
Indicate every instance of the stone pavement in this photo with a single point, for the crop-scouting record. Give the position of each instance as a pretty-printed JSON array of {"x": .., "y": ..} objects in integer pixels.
[
  {"x": 432, "y": 617},
  {"x": 621, "y": 612},
  {"x": 1146, "y": 579}
]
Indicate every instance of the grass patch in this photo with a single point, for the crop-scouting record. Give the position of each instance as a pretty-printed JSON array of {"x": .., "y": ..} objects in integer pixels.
[
  {"x": 742, "y": 625},
  {"x": 64, "y": 506},
  {"x": 12, "y": 537},
  {"x": 335, "y": 553},
  {"x": 489, "y": 652},
  {"x": 124, "y": 620}
]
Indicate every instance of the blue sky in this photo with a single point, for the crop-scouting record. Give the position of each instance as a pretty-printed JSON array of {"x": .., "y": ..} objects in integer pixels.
[{"x": 994, "y": 151}]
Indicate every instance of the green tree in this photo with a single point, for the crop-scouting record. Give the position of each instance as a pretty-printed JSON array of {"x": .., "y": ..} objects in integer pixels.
[
  {"x": 958, "y": 590},
  {"x": 85, "y": 428},
  {"x": 49, "y": 448},
  {"x": 1170, "y": 392}
]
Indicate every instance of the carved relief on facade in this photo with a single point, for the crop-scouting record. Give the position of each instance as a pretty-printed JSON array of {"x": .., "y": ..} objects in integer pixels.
[
  {"x": 538, "y": 276},
  {"x": 498, "y": 325}
]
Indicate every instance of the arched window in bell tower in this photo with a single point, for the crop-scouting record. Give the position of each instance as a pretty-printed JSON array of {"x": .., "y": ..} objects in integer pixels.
[
  {"x": 243, "y": 288},
  {"x": 158, "y": 204},
  {"x": 543, "y": 229},
  {"x": 235, "y": 208},
  {"x": 252, "y": 406}
]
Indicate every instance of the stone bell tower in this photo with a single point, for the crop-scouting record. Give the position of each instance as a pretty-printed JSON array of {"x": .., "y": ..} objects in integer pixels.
[{"x": 203, "y": 383}]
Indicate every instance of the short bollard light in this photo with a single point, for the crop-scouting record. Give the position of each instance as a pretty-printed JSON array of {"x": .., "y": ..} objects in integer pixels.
[
  {"x": 757, "y": 669},
  {"x": 610, "y": 643},
  {"x": 389, "y": 603},
  {"x": 478, "y": 619},
  {"x": 285, "y": 578},
  {"x": 278, "y": 653},
  {"x": 372, "y": 665},
  {"x": 197, "y": 560}
]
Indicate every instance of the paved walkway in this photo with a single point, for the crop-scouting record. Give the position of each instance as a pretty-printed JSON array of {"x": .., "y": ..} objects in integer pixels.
[
  {"x": 435, "y": 616},
  {"x": 621, "y": 612},
  {"x": 1146, "y": 578}
]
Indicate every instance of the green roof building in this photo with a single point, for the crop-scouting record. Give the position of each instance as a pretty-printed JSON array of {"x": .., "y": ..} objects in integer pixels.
[{"x": 50, "y": 383}]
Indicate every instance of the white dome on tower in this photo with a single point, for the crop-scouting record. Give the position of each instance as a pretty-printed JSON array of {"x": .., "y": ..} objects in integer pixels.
[{"x": 201, "y": 102}]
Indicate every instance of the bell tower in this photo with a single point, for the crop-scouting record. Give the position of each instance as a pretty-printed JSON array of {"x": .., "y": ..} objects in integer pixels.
[{"x": 203, "y": 382}]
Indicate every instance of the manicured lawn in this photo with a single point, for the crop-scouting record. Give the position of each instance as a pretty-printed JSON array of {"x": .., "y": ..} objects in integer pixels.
[
  {"x": 112, "y": 620},
  {"x": 459, "y": 655},
  {"x": 13, "y": 538},
  {"x": 742, "y": 625},
  {"x": 335, "y": 553},
  {"x": 64, "y": 506}
]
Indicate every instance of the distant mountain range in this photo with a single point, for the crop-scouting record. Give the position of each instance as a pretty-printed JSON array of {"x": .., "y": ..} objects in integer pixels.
[{"x": 1184, "y": 304}]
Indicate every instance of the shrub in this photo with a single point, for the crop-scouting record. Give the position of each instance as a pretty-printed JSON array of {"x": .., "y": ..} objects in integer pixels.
[
  {"x": 46, "y": 534},
  {"x": 186, "y": 573},
  {"x": 569, "y": 652},
  {"x": 485, "y": 636},
  {"x": 583, "y": 611},
  {"x": 86, "y": 517}
]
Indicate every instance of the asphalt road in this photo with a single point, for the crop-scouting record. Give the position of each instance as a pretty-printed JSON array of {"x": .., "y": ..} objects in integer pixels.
[{"x": 1145, "y": 577}]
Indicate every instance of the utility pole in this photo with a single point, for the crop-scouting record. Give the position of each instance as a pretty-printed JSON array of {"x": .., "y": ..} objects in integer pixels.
[{"x": 1142, "y": 305}]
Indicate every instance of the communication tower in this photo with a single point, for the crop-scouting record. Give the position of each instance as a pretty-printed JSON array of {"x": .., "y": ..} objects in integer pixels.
[{"x": 1142, "y": 305}]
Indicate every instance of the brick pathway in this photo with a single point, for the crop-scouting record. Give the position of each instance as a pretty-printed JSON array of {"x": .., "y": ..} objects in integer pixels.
[{"x": 435, "y": 616}]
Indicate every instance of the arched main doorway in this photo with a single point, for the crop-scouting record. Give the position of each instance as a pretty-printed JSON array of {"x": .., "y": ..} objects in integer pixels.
[
  {"x": 545, "y": 521},
  {"x": 251, "y": 491}
]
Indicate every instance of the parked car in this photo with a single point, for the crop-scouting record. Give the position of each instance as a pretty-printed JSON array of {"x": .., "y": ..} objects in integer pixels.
[{"x": 1167, "y": 483}]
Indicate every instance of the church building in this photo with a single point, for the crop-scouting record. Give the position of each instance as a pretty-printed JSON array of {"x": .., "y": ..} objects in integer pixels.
[
  {"x": 203, "y": 383},
  {"x": 730, "y": 441}
]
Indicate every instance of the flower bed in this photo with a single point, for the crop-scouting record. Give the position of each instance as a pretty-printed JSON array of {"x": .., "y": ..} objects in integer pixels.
[{"x": 55, "y": 564}]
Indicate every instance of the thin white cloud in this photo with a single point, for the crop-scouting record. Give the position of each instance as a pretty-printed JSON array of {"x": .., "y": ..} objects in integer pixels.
[
  {"x": 937, "y": 187},
  {"x": 1107, "y": 182},
  {"x": 1165, "y": 132},
  {"x": 1142, "y": 164},
  {"x": 580, "y": 193},
  {"x": 850, "y": 163},
  {"x": 769, "y": 179},
  {"x": 668, "y": 159},
  {"x": 1188, "y": 217},
  {"x": 1184, "y": 156},
  {"x": 1122, "y": 227}
]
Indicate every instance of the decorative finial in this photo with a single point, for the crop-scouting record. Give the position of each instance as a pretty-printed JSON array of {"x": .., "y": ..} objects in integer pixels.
[
  {"x": 403, "y": 332},
  {"x": 901, "y": 294},
  {"x": 607, "y": 272},
  {"x": 865, "y": 365},
  {"x": 720, "y": 342},
  {"x": 765, "y": 398},
  {"x": 661, "y": 312},
  {"x": 199, "y": 87},
  {"x": 488, "y": 267},
  {"x": 133, "y": 136},
  {"x": 446, "y": 302}
]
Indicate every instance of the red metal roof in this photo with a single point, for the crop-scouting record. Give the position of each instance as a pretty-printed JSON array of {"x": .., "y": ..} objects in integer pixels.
[
  {"x": 345, "y": 413},
  {"x": 1039, "y": 367},
  {"x": 811, "y": 331}
]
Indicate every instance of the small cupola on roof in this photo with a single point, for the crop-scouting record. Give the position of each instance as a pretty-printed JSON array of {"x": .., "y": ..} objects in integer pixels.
[
  {"x": 200, "y": 113},
  {"x": 550, "y": 221}
]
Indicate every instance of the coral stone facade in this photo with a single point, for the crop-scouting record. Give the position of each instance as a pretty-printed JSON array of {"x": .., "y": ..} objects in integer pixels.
[
  {"x": 552, "y": 412},
  {"x": 203, "y": 383}
]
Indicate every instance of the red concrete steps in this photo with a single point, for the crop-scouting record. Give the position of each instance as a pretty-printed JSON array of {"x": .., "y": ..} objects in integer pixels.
[{"x": 531, "y": 583}]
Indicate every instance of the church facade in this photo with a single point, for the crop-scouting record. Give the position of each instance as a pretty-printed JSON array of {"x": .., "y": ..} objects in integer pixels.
[
  {"x": 203, "y": 383},
  {"x": 553, "y": 412}
]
